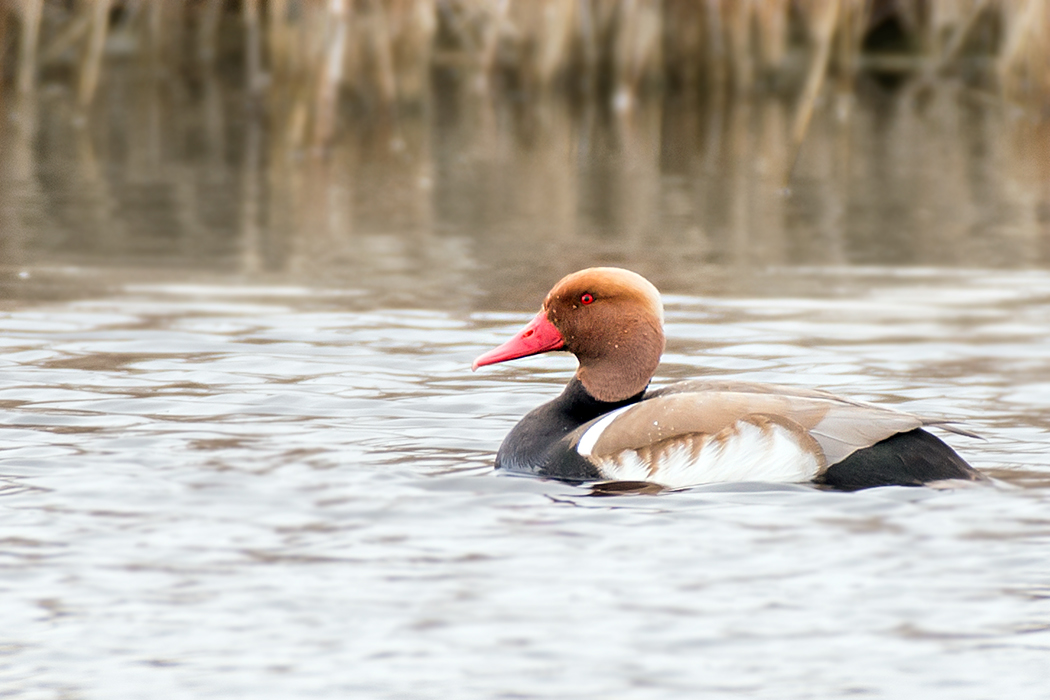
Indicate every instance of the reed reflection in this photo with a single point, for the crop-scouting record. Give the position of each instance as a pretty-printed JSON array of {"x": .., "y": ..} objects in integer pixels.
[{"x": 486, "y": 194}]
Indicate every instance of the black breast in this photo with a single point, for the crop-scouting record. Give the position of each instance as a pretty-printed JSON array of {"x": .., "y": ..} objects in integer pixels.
[{"x": 540, "y": 443}]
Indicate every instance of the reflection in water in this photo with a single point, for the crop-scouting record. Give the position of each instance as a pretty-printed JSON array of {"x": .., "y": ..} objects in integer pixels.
[{"x": 499, "y": 196}]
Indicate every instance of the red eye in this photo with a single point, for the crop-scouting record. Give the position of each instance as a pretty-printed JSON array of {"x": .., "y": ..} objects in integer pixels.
[{"x": 586, "y": 299}]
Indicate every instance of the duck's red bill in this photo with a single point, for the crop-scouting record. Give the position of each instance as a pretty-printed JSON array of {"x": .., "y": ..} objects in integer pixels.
[{"x": 538, "y": 336}]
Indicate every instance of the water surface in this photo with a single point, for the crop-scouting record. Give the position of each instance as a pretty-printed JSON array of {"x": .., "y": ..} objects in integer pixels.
[{"x": 270, "y": 491}]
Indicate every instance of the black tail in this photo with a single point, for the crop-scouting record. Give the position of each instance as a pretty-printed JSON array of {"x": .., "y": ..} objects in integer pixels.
[{"x": 905, "y": 459}]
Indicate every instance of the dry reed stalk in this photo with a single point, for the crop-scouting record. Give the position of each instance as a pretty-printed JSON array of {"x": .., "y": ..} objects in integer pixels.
[
  {"x": 587, "y": 40},
  {"x": 540, "y": 34},
  {"x": 1025, "y": 56},
  {"x": 413, "y": 24},
  {"x": 717, "y": 58},
  {"x": 253, "y": 47},
  {"x": 164, "y": 39},
  {"x": 637, "y": 49},
  {"x": 161, "y": 41},
  {"x": 3, "y": 40},
  {"x": 31, "y": 13},
  {"x": 738, "y": 35},
  {"x": 91, "y": 63},
  {"x": 331, "y": 73},
  {"x": 279, "y": 30},
  {"x": 606, "y": 23},
  {"x": 381, "y": 45},
  {"x": 303, "y": 30},
  {"x": 962, "y": 24},
  {"x": 68, "y": 36},
  {"x": 1040, "y": 55},
  {"x": 684, "y": 43},
  {"x": 320, "y": 59},
  {"x": 942, "y": 20},
  {"x": 558, "y": 28},
  {"x": 490, "y": 41},
  {"x": 153, "y": 46},
  {"x": 772, "y": 19},
  {"x": 208, "y": 31},
  {"x": 853, "y": 21},
  {"x": 356, "y": 52},
  {"x": 295, "y": 96},
  {"x": 823, "y": 16}
]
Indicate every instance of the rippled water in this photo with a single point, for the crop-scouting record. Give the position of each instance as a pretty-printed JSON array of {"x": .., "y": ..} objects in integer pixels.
[
  {"x": 242, "y": 453},
  {"x": 258, "y": 491}
]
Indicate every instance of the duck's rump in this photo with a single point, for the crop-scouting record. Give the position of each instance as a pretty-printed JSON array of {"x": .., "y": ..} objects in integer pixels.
[
  {"x": 913, "y": 458},
  {"x": 701, "y": 432}
]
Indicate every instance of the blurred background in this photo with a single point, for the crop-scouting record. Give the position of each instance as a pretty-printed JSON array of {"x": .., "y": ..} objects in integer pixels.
[{"x": 458, "y": 153}]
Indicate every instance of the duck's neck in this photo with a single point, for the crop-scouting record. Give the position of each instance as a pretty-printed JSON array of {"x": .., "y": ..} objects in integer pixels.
[
  {"x": 615, "y": 372},
  {"x": 579, "y": 405}
]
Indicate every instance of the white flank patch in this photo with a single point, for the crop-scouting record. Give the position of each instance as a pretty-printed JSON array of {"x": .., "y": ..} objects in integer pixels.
[
  {"x": 590, "y": 437},
  {"x": 751, "y": 454}
]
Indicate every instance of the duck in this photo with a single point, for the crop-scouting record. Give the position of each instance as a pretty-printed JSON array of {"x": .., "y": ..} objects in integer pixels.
[{"x": 609, "y": 425}]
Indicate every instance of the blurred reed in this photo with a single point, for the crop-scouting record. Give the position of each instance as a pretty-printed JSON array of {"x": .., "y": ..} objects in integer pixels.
[
  {"x": 300, "y": 57},
  {"x": 383, "y": 50}
]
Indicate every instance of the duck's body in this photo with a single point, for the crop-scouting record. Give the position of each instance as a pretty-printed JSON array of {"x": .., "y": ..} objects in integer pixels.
[
  {"x": 697, "y": 432},
  {"x": 607, "y": 425}
]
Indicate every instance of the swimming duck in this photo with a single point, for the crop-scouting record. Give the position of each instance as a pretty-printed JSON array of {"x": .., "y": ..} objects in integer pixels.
[{"x": 607, "y": 425}]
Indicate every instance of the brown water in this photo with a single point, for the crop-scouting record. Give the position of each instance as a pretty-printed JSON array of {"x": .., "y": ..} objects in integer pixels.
[{"x": 242, "y": 453}]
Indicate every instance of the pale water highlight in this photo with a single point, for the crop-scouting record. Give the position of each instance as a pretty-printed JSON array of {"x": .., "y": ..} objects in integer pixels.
[{"x": 254, "y": 491}]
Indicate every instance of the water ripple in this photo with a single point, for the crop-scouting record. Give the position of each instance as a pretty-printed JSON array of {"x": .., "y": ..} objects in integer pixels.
[{"x": 227, "y": 497}]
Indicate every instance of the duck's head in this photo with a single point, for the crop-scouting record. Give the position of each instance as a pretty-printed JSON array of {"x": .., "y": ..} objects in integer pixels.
[{"x": 609, "y": 318}]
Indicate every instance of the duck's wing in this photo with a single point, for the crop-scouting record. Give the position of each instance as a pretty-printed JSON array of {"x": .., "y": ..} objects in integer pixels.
[
  {"x": 680, "y": 437},
  {"x": 695, "y": 386},
  {"x": 728, "y": 385}
]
